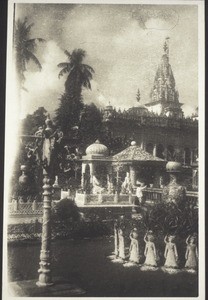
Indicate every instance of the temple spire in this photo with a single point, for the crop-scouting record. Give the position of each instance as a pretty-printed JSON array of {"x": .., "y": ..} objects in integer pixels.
[
  {"x": 164, "y": 90},
  {"x": 166, "y": 46}
]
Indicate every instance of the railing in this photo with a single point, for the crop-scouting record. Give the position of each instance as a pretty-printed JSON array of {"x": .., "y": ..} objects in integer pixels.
[
  {"x": 26, "y": 209},
  {"x": 151, "y": 195},
  {"x": 155, "y": 194},
  {"x": 83, "y": 199}
]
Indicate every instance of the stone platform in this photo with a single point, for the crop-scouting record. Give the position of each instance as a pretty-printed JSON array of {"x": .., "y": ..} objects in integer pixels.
[{"x": 61, "y": 288}]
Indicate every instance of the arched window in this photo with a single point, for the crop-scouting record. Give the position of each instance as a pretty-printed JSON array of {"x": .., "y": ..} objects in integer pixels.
[
  {"x": 171, "y": 153},
  {"x": 160, "y": 151},
  {"x": 187, "y": 156},
  {"x": 149, "y": 148}
]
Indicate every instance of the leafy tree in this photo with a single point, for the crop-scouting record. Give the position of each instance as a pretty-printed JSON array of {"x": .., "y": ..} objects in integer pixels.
[
  {"x": 32, "y": 121},
  {"x": 24, "y": 48},
  {"x": 68, "y": 114},
  {"x": 90, "y": 124}
]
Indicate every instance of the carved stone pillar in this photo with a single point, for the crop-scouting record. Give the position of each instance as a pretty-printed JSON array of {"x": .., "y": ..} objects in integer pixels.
[
  {"x": 83, "y": 175},
  {"x": 132, "y": 173},
  {"x": 45, "y": 254},
  {"x": 92, "y": 171},
  {"x": 155, "y": 150}
]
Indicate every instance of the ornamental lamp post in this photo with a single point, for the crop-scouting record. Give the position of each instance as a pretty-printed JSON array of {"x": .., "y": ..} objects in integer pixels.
[{"x": 45, "y": 277}]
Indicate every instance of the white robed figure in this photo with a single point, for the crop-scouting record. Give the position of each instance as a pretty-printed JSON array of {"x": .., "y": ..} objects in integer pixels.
[
  {"x": 115, "y": 254},
  {"x": 191, "y": 255},
  {"x": 170, "y": 254},
  {"x": 150, "y": 250},
  {"x": 121, "y": 247},
  {"x": 116, "y": 250},
  {"x": 134, "y": 246}
]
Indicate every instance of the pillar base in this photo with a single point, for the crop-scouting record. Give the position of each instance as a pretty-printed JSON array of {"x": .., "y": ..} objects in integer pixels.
[
  {"x": 44, "y": 284},
  {"x": 60, "y": 288}
]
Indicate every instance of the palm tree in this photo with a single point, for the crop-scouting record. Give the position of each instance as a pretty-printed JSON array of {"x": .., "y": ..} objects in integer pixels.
[
  {"x": 24, "y": 48},
  {"x": 79, "y": 74}
]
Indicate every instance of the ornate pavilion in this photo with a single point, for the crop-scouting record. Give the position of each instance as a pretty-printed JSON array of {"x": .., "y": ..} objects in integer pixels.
[{"x": 111, "y": 180}]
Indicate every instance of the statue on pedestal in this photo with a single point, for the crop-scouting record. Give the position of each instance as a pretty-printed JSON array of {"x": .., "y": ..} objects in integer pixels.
[
  {"x": 126, "y": 186},
  {"x": 134, "y": 246},
  {"x": 97, "y": 187},
  {"x": 191, "y": 255},
  {"x": 171, "y": 254}
]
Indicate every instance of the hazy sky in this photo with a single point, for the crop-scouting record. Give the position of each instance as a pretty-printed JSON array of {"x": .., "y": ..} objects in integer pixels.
[{"x": 124, "y": 44}]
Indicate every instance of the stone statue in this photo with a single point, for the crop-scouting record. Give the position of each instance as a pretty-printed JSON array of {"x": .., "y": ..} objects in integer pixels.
[
  {"x": 150, "y": 250},
  {"x": 170, "y": 254},
  {"x": 97, "y": 187},
  {"x": 126, "y": 185},
  {"x": 134, "y": 246},
  {"x": 191, "y": 255}
]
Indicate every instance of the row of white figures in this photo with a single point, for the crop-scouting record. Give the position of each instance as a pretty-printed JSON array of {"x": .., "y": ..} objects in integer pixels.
[{"x": 150, "y": 252}]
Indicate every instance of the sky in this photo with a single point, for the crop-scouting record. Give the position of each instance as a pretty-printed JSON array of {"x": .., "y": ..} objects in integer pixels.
[{"x": 123, "y": 44}]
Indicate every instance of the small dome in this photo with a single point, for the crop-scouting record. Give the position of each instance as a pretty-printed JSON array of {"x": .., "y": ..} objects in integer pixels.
[
  {"x": 173, "y": 167},
  {"x": 133, "y": 143},
  {"x": 97, "y": 149}
]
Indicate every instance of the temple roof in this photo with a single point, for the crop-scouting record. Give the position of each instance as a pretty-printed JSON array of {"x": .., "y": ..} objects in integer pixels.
[
  {"x": 135, "y": 153},
  {"x": 164, "y": 83}
]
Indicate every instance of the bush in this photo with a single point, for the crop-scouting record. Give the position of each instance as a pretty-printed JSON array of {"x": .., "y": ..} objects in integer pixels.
[
  {"x": 170, "y": 219},
  {"x": 64, "y": 210}
]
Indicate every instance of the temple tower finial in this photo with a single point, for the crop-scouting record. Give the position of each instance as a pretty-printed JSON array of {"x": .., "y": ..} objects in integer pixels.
[{"x": 166, "y": 46}]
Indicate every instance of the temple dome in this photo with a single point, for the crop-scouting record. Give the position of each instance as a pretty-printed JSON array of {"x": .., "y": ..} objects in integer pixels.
[
  {"x": 97, "y": 149},
  {"x": 139, "y": 110}
]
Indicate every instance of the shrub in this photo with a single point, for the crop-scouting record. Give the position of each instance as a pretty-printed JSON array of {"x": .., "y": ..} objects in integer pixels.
[{"x": 169, "y": 218}]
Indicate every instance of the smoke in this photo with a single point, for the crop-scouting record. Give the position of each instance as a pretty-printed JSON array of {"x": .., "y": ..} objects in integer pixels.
[
  {"x": 122, "y": 45},
  {"x": 156, "y": 17},
  {"x": 44, "y": 87}
]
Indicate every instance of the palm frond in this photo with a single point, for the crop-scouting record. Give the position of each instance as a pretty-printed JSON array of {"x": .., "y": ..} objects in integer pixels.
[
  {"x": 31, "y": 56},
  {"x": 86, "y": 83},
  {"x": 90, "y": 69},
  {"x": 34, "y": 41},
  {"x": 67, "y": 54},
  {"x": 63, "y": 65},
  {"x": 62, "y": 72}
]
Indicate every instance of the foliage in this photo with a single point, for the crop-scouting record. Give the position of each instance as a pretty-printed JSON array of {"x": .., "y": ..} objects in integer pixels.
[
  {"x": 68, "y": 114},
  {"x": 79, "y": 74},
  {"x": 71, "y": 104},
  {"x": 24, "y": 48},
  {"x": 65, "y": 210},
  {"x": 90, "y": 124},
  {"x": 170, "y": 219},
  {"x": 31, "y": 122}
]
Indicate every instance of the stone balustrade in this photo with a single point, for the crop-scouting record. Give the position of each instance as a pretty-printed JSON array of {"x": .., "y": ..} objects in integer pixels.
[{"x": 151, "y": 196}]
